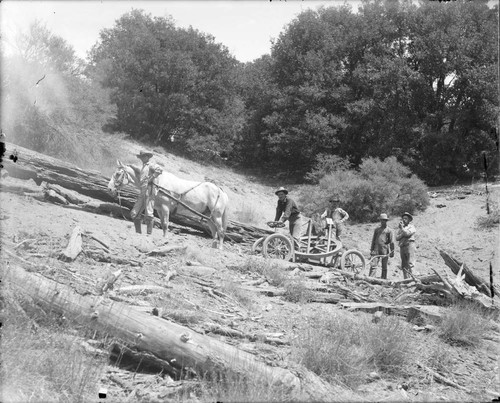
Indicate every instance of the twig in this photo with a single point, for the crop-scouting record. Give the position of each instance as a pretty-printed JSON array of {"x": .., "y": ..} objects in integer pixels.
[{"x": 442, "y": 379}]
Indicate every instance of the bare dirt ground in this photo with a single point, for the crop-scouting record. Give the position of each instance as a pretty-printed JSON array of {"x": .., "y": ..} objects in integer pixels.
[{"x": 449, "y": 223}]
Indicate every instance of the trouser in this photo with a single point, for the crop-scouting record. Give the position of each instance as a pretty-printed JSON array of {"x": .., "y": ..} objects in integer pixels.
[
  {"x": 145, "y": 202},
  {"x": 374, "y": 264},
  {"x": 297, "y": 226},
  {"x": 407, "y": 259}
]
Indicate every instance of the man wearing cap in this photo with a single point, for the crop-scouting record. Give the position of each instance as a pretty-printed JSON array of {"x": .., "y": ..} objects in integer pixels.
[
  {"x": 382, "y": 244},
  {"x": 287, "y": 210},
  {"x": 337, "y": 214},
  {"x": 406, "y": 237},
  {"x": 149, "y": 172}
]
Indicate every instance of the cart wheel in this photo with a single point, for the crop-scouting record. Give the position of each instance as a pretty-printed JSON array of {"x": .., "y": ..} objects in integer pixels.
[
  {"x": 353, "y": 261},
  {"x": 257, "y": 245},
  {"x": 278, "y": 246}
]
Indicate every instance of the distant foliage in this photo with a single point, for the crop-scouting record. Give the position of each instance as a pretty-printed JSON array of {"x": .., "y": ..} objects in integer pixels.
[
  {"x": 325, "y": 164},
  {"x": 377, "y": 187}
]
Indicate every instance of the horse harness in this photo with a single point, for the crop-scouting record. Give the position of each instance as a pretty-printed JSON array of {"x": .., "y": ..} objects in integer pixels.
[{"x": 171, "y": 195}]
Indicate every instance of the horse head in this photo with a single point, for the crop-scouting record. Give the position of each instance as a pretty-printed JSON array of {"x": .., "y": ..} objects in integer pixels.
[{"x": 119, "y": 179}]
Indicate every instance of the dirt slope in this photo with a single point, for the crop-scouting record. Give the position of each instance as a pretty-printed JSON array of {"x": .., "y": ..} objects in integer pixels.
[{"x": 448, "y": 223}]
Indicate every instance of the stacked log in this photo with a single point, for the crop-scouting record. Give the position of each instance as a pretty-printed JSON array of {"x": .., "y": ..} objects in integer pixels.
[{"x": 66, "y": 184}]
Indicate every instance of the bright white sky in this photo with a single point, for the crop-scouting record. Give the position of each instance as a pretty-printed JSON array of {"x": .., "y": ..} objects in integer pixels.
[{"x": 244, "y": 27}]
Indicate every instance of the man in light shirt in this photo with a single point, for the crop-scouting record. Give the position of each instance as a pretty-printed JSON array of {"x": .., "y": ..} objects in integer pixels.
[
  {"x": 337, "y": 215},
  {"x": 406, "y": 237}
]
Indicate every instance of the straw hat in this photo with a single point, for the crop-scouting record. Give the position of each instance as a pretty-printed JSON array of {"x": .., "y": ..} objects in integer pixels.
[
  {"x": 281, "y": 189},
  {"x": 408, "y": 215},
  {"x": 144, "y": 154},
  {"x": 383, "y": 216}
]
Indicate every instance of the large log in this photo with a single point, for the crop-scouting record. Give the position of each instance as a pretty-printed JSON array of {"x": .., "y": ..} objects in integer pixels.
[
  {"x": 181, "y": 347},
  {"x": 42, "y": 168},
  {"x": 470, "y": 278}
]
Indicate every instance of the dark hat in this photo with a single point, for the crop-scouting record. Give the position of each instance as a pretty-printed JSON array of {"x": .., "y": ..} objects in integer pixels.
[
  {"x": 383, "y": 216},
  {"x": 335, "y": 199},
  {"x": 408, "y": 215},
  {"x": 144, "y": 154},
  {"x": 281, "y": 189}
]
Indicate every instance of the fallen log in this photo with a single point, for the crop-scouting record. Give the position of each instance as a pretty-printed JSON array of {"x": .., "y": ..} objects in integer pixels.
[
  {"x": 470, "y": 278},
  {"x": 70, "y": 195},
  {"x": 102, "y": 256},
  {"x": 140, "y": 289},
  {"x": 74, "y": 246},
  {"x": 54, "y": 197},
  {"x": 42, "y": 168},
  {"x": 409, "y": 312},
  {"x": 181, "y": 347}
]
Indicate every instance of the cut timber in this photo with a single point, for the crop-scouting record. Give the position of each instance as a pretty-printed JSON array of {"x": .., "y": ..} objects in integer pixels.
[
  {"x": 408, "y": 311},
  {"x": 54, "y": 197},
  {"x": 141, "y": 289},
  {"x": 70, "y": 195},
  {"x": 181, "y": 347},
  {"x": 470, "y": 278},
  {"x": 102, "y": 256},
  {"x": 74, "y": 246},
  {"x": 42, "y": 168}
]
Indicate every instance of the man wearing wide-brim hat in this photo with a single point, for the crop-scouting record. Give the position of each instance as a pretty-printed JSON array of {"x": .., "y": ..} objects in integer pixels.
[
  {"x": 287, "y": 210},
  {"x": 406, "y": 237},
  {"x": 382, "y": 244},
  {"x": 146, "y": 200}
]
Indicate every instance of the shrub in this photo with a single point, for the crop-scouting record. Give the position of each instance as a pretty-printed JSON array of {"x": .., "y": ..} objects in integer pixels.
[
  {"x": 378, "y": 186},
  {"x": 347, "y": 348},
  {"x": 463, "y": 324},
  {"x": 296, "y": 291},
  {"x": 326, "y": 164},
  {"x": 44, "y": 363}
]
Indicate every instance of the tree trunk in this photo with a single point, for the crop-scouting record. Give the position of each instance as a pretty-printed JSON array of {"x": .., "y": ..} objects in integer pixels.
[
  {"x": 181, "y": 347},
  {"x": 42, "y": 168},
  {"x": 470, "y": 278}
]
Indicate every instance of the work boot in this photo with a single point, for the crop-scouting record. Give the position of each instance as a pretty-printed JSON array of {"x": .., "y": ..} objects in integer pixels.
[
  {"x": 149, "y": 227},
  {"x": 137, "y": 224}
]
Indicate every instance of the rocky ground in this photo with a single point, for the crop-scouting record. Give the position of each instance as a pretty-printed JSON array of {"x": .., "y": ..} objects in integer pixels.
[{"x": 37, "y": 231}]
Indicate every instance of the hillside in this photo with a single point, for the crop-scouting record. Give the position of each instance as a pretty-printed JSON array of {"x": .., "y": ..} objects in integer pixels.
[{"x": 34, "y": 232}]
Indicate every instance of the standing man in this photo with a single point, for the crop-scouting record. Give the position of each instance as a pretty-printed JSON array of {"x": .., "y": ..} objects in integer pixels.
[
  {"x": 287, "y": 210},
  {"x": 406, "y": 237},
  {"x": 337, "y": 214},
  {"x": 382, "y": 244},
  {"x": 146, "y": 201}
]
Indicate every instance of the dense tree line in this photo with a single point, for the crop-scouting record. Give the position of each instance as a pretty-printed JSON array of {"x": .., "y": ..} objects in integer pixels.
[{"x": 415, "y": 81}]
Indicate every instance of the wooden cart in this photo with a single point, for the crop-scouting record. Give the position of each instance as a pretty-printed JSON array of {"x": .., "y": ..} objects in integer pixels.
[{"x": 327, "y": 250}]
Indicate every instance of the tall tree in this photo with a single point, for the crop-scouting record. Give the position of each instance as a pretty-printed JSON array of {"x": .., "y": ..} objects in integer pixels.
[{"x": 169, "y": 81}]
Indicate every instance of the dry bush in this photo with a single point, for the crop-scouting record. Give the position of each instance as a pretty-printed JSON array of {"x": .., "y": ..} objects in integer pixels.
[
  {"x": 490, "y": 220},
  {"x": 463, "y": 324},
  {"x": 296, "y": 291},
  {"x": 345, "y": 348},
  {"x": 243, "y": 297},
  {"x": 238, "y": 388},
  {"x": 44, "y": 363}
]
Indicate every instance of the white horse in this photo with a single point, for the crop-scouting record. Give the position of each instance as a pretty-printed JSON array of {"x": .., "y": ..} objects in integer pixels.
[{"x": 204, "y": 198}]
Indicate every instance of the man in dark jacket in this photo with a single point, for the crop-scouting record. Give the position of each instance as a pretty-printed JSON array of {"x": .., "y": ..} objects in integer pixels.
[
  {"x": 382, "y": 244},
  {"x": 287, "y": 210}
]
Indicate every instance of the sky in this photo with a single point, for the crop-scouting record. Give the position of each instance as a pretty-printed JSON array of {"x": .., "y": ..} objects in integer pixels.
[{"x": 244, "y": 27}]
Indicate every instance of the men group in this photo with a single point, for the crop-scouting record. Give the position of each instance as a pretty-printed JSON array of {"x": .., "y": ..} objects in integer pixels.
[
  {"x": 383, "y": 240},
  {"x": 382, "y": 246}
]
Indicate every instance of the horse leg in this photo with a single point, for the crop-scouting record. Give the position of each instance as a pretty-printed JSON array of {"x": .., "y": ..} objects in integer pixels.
[
  {"x": 218, "y": 230},
  {"x": 164, "y": 213},
  {"x": 213, "y": 232},
  {"x": 137, "y": 225}
]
